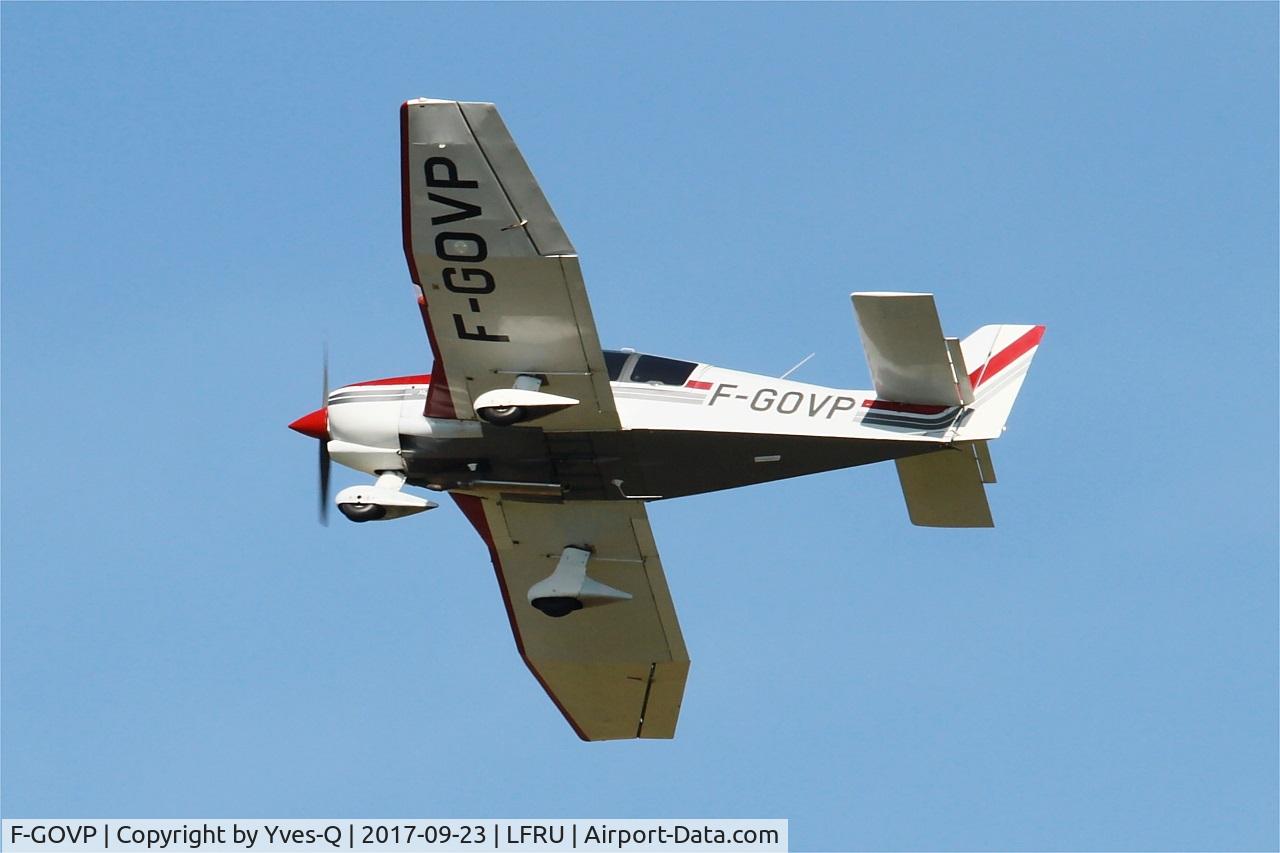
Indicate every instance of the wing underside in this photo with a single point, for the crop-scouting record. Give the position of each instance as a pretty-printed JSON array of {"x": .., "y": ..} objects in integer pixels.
[
  {"x": 501, "y": 286},
  {"x": 615, "y": 671},
  {"x": 502, "y": 296}
]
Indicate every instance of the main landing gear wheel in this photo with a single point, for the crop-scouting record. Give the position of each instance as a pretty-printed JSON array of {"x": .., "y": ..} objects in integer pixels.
[
  {"x": 502, "y": 415},
  {"x": 557, "y": 605}
]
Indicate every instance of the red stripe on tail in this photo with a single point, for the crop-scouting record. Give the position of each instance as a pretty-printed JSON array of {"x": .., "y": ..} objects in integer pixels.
[{"x": 1007, "y": 356}]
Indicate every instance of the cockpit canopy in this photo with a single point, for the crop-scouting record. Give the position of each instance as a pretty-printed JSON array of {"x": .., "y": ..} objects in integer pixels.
[{"x": 649, "y": 369}]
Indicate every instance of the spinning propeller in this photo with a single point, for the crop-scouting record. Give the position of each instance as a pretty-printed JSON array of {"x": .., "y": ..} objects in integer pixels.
[
  {"x": 325, "y": 462},
  {"x": 316, "y": 425}
]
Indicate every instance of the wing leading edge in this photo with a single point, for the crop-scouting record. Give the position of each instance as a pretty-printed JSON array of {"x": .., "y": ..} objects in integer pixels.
[
  {"x": 615, "y": 671},
  {"x": 502, "y": 292}
]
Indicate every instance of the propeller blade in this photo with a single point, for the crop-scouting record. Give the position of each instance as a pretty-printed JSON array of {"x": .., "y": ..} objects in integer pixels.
[
  {"x": 324, "y": 483},
  {"x": 324, "y": 374},
  {"x": 324, "y": 443}
]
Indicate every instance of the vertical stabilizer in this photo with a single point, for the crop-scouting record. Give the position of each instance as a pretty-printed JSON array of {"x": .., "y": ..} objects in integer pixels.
[
  {"x": 997, "y": 358},
  {"x": 912, "y": 362}
]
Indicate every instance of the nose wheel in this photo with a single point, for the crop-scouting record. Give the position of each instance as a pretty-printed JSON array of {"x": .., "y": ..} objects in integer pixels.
[
  {"x": 381, "y": 500},
  {"x": 363, "y": 512}
]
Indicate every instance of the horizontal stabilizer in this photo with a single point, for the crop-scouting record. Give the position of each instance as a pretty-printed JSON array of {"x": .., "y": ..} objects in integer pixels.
[
  {"x": 909, "y": 358},
  {"x": 945, "y": 489}
]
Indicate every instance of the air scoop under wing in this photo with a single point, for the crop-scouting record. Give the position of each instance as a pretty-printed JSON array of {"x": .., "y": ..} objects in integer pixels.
[{"x": 502, "y": 291}]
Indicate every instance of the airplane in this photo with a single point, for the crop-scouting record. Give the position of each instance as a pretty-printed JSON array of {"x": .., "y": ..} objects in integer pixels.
[{"x": 552, "y": 446}]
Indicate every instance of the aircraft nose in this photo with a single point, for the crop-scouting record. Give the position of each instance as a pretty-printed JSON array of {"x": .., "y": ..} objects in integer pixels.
[{"x": 314, "y": 424}]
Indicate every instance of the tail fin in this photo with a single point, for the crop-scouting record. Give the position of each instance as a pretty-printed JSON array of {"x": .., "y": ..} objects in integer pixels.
[
  {"x": 948, "y": 488},
  {"x": 997, "y": 359},
  {"x": 912, "y": 362}
]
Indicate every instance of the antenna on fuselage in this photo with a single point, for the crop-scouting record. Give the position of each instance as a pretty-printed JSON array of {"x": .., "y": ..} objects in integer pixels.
[{"x": 798, "y": 366}]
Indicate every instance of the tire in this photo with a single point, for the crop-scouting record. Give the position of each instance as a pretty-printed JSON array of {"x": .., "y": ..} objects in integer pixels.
[
  {"x": 363, "y": 512},
  {"x": 502, "y": 415},
  {"x": 557, "y": 606}
]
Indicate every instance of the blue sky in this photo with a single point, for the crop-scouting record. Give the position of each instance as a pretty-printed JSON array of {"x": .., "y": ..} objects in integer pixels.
[{"x": 195, "y": 196}]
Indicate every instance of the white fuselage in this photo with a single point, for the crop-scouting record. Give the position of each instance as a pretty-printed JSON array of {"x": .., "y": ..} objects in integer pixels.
[{"x": 381, "y": 426}]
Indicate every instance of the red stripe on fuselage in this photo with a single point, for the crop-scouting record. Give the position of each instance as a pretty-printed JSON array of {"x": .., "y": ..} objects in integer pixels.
[
  {"x": 911, "y": 408},
  {"x": 1006, "y": 356},
  {"x": 701, "y": 386},
  {"x": 418, "y": 379}
]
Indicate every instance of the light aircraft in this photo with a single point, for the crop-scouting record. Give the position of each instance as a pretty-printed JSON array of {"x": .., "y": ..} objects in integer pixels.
[{"x": 551, "y": 446}]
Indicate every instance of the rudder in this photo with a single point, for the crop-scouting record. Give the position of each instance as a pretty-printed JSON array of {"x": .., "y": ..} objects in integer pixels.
[{"x": 997, "y": 358}]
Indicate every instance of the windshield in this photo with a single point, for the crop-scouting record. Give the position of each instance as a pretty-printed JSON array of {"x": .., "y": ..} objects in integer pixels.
[
  {"x": 615, "y": 361},
  {"x": 654, "y": 369}
]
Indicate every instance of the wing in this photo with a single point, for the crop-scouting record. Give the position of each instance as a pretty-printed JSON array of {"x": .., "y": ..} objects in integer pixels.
[
  {"x": 502, "y": 293},
  {"x": 616, "y": 670}
]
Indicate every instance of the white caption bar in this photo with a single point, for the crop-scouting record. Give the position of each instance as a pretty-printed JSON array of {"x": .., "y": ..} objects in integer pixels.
[{"x": 409, "y": 836}]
